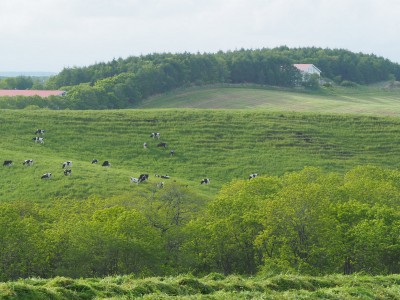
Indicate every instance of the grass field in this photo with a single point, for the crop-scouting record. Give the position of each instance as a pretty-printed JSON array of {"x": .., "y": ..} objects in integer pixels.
[
  {"x": 213, "y": 286},
  {"x": 361, "y": 100},
  {"x": 219, "y": 144}
]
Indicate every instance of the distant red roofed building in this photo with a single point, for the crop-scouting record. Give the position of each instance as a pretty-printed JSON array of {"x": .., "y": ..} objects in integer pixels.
[
  {"x": 40, "y": 93},
  {"x": 308, "y": 69}
]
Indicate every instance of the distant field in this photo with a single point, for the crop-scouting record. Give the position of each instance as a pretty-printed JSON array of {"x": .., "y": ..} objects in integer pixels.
[
  {"x": 360, "y": 100},
  {"x": 219, "y": 144}
]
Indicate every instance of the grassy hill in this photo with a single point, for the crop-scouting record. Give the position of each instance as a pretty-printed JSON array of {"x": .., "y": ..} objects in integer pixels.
[
  {"x": 371, "y": 100},
  {"x": 219, "y": 144}
]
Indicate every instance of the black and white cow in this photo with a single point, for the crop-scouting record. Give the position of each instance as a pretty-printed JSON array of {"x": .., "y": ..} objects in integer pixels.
[
  {"x": 134, "y": 180},
  {"x": 106, "y": 163},
  {"x": 254, "y": 175},
  {"x": 46, "y": 176},
  {"x": 162, "y": 176},
  {"x": 28, "y": 162},
  {"x": 38, "y": 140},
  {"x": 39, "y": 131},
  {"x": 67, "y": 172},
  {"x": 145, "y": 146},
  {"x": 95, "y": 161},
  {"x": 7, "y": 163},
  {"x": 172, "y": 153},
  {"x": 205, "y": 181},
  {"x": 163, "y": 145},
  {"x": 160, "y": 185},
  {"x": 155, "y": 135},
  {"x": 143, "y": 177},
  {"x": 67, "y": 164}
]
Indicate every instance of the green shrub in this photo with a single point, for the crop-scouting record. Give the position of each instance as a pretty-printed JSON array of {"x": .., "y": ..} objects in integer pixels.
[{"x": 347, "y": 83}]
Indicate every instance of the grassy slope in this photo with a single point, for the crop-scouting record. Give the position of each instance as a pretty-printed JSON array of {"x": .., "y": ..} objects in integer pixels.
[
  {"x": 219, "y": 144},
  {"x": 365, "y": 100}
]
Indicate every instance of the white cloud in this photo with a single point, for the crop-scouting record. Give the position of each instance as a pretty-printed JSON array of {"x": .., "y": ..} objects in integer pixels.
[{"x": 52, "y": 34}]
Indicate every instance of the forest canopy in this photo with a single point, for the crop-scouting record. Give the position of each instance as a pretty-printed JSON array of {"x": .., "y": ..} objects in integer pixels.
[{"x": 306, "y": 222}]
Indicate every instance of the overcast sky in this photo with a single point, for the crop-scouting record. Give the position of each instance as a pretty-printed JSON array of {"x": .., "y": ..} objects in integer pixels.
[{"x": 48, "y": 35}]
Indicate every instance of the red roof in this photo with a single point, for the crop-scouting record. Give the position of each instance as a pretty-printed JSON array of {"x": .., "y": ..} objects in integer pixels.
[
  {"x": 41, "y": 93},
  {"x": 306, "y": 67},
  {"x": 302, "y": 67}
]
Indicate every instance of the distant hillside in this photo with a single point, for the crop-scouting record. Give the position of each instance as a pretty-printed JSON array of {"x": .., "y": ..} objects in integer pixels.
[
  {"x": 376, "y": 100},
  {"x": 126, "y": 82}
]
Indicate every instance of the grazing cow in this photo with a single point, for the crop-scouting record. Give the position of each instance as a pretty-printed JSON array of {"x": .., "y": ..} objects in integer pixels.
[
  {"x": 160, "y": 185},
  {"x": 164, "y": 145},
  {"x": 162, "y": 176},
  {"x": 254, "y": 175},
  {"x": 39, "y": 131},
  {"x": 155, "y": 135},
  {"x": 27, "y": 162},
  {"x": 145, "y": 145},
  {"x": 38, "y": 140},
  {"x": 106, "y": 163},
  {"x": 143, "y": 177},
  {"x": 205, "y": 181},
  {"x": 95, "y": 161},
  {"x": 67, "y": 172},
  {"x": 67, "y": 164},
  {"x": 172, "y": 153},
  {"x": 134, "y": 180},
  {"x": 8, "y": 163},
  {"x": 46, "y": 176}
]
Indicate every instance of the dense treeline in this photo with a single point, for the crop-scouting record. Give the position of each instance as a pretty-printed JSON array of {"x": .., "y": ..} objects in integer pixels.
[
  {"x": 22, "y": 83},
  {"x": 264, "y": 66},
  {"x": 307, "y": 222},
  {"x": 123, "y": 83}
]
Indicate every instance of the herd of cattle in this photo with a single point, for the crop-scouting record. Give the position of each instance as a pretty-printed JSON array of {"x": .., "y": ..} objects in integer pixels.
[
  {"x": 106, "y": 163},
  {"x": 29, "y": 162}
]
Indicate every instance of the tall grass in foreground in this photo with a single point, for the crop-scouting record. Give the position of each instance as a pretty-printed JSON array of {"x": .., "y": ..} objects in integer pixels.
[
  {"x": 213, "y": 286},
  {"x": 219, "y": 144}
]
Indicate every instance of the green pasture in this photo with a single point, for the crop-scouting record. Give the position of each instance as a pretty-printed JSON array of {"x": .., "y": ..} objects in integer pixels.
[
  {"x": 219, "y": 144},
  {"x": 376, "y": 100}
]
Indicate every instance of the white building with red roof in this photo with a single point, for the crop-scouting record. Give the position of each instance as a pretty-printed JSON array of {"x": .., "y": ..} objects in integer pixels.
[
  {"x": 308, "y": 69},
  {"x": 40, "y": 93}
]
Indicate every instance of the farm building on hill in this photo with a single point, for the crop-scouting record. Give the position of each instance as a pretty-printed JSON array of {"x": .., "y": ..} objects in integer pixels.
[
  {"x": 40, "y": 93},
  {"x": 308, "y": 69}
]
